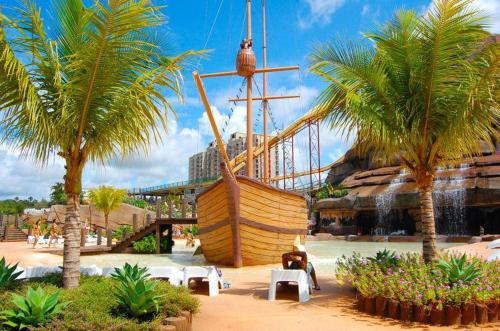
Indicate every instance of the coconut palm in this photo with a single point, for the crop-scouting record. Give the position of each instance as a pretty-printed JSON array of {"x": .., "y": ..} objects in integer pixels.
[
  {"x": 93, "y": 89},
  {"x": 107, "y": 199},
  {"x": 425, "y": 90}
]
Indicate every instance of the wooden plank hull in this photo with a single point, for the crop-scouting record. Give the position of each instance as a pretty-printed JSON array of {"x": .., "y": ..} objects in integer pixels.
[{"x": 244, "y": 222}]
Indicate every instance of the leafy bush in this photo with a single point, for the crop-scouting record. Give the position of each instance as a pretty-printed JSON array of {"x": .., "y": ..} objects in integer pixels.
[
  {"x": 457, "y": 271},
  {"x": 146, "y": 245},
  {"x": 130, "y": 273},
  {"x": 450, "y": 281},
  {"x": 139, "y": 297},
  {"x": 8, "y": 273},
  {"x": 118, "y": 233},
  {"x": 136, "y": 202},
  {"x": 329, "y": 191},
  {"x": 194, "y": 230},
  {"x": 35, "y": 309},
  {"x": 94, "y": 307}
]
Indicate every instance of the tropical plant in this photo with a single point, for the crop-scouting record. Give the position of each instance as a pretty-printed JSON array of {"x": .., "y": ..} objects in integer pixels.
[
  {"x": 385, "y": 259},
  {"x": 35, "y": 309},
  {"x": 97, "y": 90},
  {"x": 146, "y": 245},
  {"x": 122, "y": 229},
  {"x": 107, "y": 199},
  {"x": 130, "y": 273},
  {"x": 426, "y": 91},
  {"x": 57, "y": 195},
  {"x": 458, "y": 271},
  {"x": 8, "y": 273},
  {"x": 138, "y": 297}
]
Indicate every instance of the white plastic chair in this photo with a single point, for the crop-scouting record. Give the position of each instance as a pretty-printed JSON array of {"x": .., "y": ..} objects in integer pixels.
[
  {"x": 209, "y": 273},
  {"x": 298, "y": 276},
  {"x": 494, "y": 256},
  {"x": 494, "y": 244},
  {"x": 91, "y": 270},
  {"x": 40, "y": 271},
  {"x": 173, "y": 274}
]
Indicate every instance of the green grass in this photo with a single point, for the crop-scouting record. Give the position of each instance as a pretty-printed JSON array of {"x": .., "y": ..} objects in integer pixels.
[{"x": 94, "y": 307}]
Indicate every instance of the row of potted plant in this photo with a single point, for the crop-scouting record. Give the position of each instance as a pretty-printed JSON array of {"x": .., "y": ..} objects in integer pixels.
[{"x": 452, "y": 290}]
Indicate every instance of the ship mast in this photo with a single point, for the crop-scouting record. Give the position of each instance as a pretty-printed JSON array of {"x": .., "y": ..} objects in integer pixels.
[
  {"x": 264, "y": 94},
  {"x": 249, "y": 78}
]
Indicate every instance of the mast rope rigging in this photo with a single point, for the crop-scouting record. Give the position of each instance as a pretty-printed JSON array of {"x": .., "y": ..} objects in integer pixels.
[{"x": 231, "y": 109}]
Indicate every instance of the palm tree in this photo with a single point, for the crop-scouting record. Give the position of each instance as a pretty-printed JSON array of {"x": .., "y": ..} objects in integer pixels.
[
  {"x": 107, "y": 199},
  {"x": 425, "y": 90},
  {"x": 91, "y": 90}
]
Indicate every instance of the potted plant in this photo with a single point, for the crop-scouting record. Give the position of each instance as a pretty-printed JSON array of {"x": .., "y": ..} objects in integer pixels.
[{"x": 437, "y": 313}]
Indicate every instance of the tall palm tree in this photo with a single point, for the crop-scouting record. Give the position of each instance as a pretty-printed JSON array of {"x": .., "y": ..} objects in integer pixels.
[
  {"x": 91, "y": 90},
  {"x": 107, "y": 199},
  {"x": 426, "y": 89}
]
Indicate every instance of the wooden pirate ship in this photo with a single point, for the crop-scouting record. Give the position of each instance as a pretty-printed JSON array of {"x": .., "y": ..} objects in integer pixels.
[{"x": 241, "y": 220}]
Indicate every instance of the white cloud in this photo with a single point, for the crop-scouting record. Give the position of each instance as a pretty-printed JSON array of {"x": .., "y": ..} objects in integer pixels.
[
  {"x": 365, "y": 10},
  {"x": 492, "y": 9},
  {"x": 320, "y": 12}
]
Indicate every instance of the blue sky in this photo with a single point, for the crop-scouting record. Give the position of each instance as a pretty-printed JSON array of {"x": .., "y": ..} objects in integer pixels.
[{"x": 294, "y": 27}]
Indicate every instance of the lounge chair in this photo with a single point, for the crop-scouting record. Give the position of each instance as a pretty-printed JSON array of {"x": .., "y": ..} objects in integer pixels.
[
  {"x": 173, "y": 274},
  {"x": 494, "y": 256},
  {"x": 91, "y": 270},
  {"x": 494, "y": 244},
  {"x": 40, "y": 271},
  {"x": 209, "y": 273},
  {"x": 298, "y": 276}
]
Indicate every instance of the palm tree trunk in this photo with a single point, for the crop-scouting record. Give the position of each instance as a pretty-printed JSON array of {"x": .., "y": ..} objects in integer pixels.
[
  {"x": 71, "y": 253},
  {"x": 71, "y": 257},
  {"x": 106, "y": 224},
  {"x": 428, "y": 224}
]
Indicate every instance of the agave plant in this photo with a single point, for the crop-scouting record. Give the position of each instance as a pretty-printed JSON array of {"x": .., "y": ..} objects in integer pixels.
[
  {"x": 457, "y": 270},
  {"x": 35, "y": 309},
  {"x": 385, "y": 258},
  {"x": 138, "y": 297},
  {"x": 130, "y": 273},
  {"x": 8, "y": 273}
]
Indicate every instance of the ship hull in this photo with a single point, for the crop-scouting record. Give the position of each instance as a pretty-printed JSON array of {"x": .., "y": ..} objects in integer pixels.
[{"x": 243, "y": 222}]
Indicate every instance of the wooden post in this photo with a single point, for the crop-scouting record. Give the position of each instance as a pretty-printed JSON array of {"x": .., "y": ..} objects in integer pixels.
[
  {"x": 109, "y": 237},
  {"x": 134, "y": 223},
  {"x": 170, "y": 209},
  {"x": 184, "y": 208},
  {"x": 99, "y": 236},
  {"x": 193, "y": 209},
  {"x": 264, "y": 90},
  {"x": 158, "y": 238},
  {"x": 83, "y": 237},
  {"x": 158, "y": 209},
  {"x": 16, "y": 221}
]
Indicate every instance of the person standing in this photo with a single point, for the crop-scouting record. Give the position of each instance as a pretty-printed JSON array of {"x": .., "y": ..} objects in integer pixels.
[
  {"x": 36, "y": 233},
  {"x": 53, "y": 233}
]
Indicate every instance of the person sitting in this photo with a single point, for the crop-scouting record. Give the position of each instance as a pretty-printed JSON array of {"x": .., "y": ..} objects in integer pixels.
[{"x": 298, "y": 261}]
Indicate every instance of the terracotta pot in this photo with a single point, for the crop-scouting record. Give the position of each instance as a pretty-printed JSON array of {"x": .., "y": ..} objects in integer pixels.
[
  {"x": 393, "y": 309},
  {"x": 453, "y": 314},
  {"x": 406, "y": 311},
  {"x": 492, "y": 312},
  {"x": 481, "y": 313},
  {"x": 437, "y": 316},
  {"x": 381, "y": 305},
  {"x": 468, "y": 313},
  {"x": 360, "y": 301},
  {"x": 370, "y": 306},
  {"x": 421, "y": 314}
]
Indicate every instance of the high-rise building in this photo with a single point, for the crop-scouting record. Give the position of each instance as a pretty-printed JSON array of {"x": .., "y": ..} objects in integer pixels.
[{"x": 207, "y": 164}]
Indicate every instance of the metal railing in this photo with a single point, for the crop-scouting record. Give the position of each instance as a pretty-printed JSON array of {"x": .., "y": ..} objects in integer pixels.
[{"x": 172, "y": 185}]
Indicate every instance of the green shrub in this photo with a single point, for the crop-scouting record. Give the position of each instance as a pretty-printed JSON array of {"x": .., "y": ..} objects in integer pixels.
[
  {"x": 8, "y": 273},
  {"x": 35, "y": 309},
  {"x": 118, "y": 233},
  {"x": 194, "y": 230},
  {"x": 130, "y": 273},
  {"x": 138, "y": 298},
  {"x": 385, "y": 259},
  {"x": 457, "y": 271},
  {"x": 146, "y": 245},
  {"x": 94, "y": 307},
  {"x": 135, "y": 202}
]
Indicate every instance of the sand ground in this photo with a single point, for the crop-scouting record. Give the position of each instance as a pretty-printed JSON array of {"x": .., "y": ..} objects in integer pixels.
[{"x": 244, "y": 306}]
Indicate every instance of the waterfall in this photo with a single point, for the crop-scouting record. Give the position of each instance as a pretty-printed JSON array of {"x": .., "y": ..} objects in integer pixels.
[
  {"x": 384, "y": 203},
  {"x": 449, "y": 203}
]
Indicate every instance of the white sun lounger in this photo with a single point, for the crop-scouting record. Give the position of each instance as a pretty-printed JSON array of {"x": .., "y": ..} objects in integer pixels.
[
  {"x": 107, "y": 271},
  {"x": 209, "y": 273},
  {"x": 40, "y": 271},
  {"x": 494, "y": 256},
  {"x": 91, "y": 270},
  {"x": 298, "y": 276},
  {"x": 173, "y": 274},
  {"x": 494, "y": 244}
]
